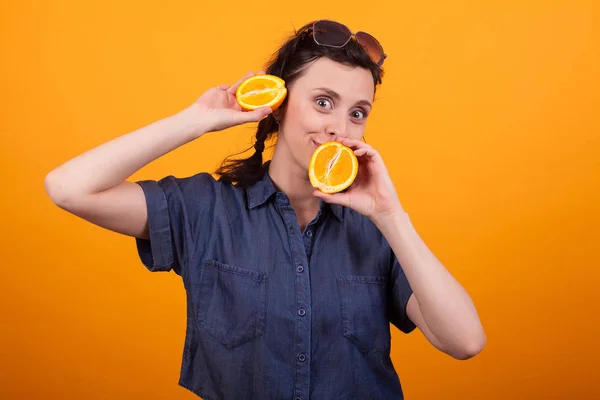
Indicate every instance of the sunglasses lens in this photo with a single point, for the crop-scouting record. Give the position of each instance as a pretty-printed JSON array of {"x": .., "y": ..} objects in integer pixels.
[
  {"x": 372, "y": 46},
  {"x": 331, "y": 33}
]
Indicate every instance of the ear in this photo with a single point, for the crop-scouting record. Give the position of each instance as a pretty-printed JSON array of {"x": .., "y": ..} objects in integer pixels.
[{"x": 277, "y": 115}]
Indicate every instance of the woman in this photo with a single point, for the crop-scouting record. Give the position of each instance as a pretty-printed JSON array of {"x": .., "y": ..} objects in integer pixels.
[{"x": 290, "y": 291}]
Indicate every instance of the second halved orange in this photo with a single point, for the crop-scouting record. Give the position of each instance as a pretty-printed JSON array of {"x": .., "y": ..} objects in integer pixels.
[{"x": 261, "y": 91}]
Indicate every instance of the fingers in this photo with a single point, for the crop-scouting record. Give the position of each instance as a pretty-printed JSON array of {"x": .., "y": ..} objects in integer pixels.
[
  {"x": 252, "y": 116},
  {"x": 361, "y": 152},
  {"x": 337, "y": 198},
  {"x": 233, "y": 88},
  {"x": 360, "y": 148},
  {"x": 223, "y": 87},
  {"x": 352, "y": 143}
]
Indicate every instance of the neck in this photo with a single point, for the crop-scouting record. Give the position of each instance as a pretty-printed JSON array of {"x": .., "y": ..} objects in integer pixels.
[{"x": 293, "y": 180}]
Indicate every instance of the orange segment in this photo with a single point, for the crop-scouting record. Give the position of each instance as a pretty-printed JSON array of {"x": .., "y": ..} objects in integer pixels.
[
  {"x": 261, "y": 91},
  {"x": 333, "y": 167}
]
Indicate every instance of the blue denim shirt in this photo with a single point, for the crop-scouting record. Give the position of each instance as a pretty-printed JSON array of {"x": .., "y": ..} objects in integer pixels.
[{"x": 273, "y": 312}]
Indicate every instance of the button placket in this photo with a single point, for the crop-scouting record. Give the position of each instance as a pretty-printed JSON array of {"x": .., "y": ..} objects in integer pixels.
[{"x": 298, "y": 248}]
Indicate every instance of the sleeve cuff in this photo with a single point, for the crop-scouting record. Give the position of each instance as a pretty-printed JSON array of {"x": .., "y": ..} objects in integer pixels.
[
  {"x": 156, "y": 253},
  {"x": 402, "y": 292},
  {"x": 406, "y": 325}
]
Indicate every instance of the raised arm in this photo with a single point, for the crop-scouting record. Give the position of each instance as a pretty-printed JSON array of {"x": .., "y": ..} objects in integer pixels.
[{"x": 93, "y": 185}]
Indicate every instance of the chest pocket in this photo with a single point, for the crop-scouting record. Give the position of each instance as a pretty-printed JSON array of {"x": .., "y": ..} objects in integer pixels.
[
  {"x": 363, "y": 305},
  {"x": 231, "y": 303}
]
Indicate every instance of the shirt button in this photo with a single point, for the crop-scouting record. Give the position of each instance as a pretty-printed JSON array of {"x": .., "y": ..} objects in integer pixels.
[
  {"x": 301, "y": 312},
  {"x": 301, "y": 357},
  {"x": 300, "y": 268},
  {"x": 309, "y": 233}
]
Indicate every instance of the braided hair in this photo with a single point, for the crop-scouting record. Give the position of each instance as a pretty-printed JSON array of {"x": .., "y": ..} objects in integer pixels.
[{"x": 288, "y": 63}]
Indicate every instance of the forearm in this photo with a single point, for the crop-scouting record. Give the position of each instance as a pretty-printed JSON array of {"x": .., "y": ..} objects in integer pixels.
[
  {"x": 110, "y": 163},
  {"x": 445, "y": 306}
]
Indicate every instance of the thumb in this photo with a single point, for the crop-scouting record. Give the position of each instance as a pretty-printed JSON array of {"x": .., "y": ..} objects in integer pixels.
[
  {"x": 337, "y": 198},
  {"x": 252, "y": 116}
]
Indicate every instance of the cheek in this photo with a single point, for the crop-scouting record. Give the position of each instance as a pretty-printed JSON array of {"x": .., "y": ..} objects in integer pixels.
[
  {"x": 303, "y": 119},
  {"x": 314, "y": 121},
  {"x": 357, "y": 132}
]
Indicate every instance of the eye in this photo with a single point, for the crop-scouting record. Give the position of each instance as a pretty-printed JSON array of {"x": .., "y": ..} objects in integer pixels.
[
  {"x": 324, "y": 103},
  {"x": 359, "y": 114}
]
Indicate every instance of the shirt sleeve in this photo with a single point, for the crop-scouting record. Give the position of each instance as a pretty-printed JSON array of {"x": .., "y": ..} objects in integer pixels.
[
  {"x": 174, "y": 206},
  {"x": 401, "y": 292}
]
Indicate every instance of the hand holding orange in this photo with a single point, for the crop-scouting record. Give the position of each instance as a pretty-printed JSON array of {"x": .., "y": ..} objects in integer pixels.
[{"x": 218, "y": 108}]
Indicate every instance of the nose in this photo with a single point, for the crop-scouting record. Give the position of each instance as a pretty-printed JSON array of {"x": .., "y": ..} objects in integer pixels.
[{"x": 337, "y": 127}]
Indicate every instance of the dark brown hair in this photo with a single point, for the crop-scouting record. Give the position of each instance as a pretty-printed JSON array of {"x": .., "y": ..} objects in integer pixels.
[{"x": 289, "y": 63}]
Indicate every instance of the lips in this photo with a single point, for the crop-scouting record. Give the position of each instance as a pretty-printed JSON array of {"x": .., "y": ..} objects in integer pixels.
[{"x": 315, "y": 143}]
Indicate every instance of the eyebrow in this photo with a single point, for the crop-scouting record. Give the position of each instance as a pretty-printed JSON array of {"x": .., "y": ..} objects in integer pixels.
[{"x": 333, "y": 94}]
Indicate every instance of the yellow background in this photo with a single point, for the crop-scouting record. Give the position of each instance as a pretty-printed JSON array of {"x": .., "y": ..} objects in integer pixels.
[{"x": 488, "y": 120}]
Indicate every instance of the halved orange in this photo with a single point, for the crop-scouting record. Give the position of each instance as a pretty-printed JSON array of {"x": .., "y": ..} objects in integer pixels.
[
  {"x": 261, "y": 91},
  {"x": 333, "y": 167}
]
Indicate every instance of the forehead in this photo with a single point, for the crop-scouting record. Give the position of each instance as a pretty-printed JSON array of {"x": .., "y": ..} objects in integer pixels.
[{"x": 352, "y": 83}]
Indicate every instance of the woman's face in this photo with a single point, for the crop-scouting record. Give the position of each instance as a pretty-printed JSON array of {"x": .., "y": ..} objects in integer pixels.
[{"x": 329, "y": 100}]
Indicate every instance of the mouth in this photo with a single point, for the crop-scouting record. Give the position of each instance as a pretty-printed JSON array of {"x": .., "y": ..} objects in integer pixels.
[{"x": 315, "y": 143}]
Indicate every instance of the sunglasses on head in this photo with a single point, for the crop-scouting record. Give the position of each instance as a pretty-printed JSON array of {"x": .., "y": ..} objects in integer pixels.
[{"x": 334, "y": 34}]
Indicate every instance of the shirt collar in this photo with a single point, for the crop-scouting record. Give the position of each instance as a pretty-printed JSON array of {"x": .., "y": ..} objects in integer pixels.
[{"x": 261, "y": 191}]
